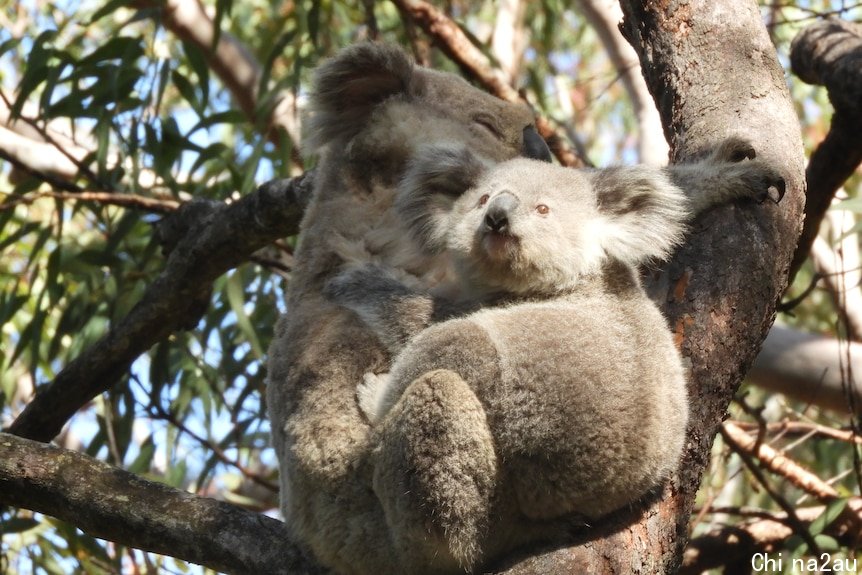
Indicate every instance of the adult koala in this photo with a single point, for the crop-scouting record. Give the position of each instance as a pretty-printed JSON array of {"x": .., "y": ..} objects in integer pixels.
[{"x": 372, "y": 109}]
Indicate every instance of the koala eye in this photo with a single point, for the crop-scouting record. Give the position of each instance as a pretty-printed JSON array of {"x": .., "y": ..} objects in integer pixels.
[
  {"x": 542, "y": 209},
  {"x": 488, "y": 123},
  {"x": 483, "y": 200}
]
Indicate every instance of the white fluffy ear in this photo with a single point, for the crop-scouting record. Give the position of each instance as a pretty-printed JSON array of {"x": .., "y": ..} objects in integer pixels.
[
  {"x": 435, "y": 178},
  {"x": 642, "y": 213}
]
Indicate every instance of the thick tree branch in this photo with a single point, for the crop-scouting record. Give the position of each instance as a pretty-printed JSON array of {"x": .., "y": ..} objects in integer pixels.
[
  {"x": 207, "y": 239},
  {"x": 810, "y": 368},
  {"x": 38, "y": 157},
  {"x": 113, "y": 504},
  {"x": 836, "y": 258},
  {"x": 476, "y": 65},
  {"x": 49, "y": 154},
  {"x": 829, "y": 53},
  {"x": 510, "y": 38}
]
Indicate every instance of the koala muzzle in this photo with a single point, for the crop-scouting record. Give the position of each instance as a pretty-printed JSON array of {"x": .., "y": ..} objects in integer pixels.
[
  {"x": 534, "y": 145},
  {"x": 499, "y": 211}
]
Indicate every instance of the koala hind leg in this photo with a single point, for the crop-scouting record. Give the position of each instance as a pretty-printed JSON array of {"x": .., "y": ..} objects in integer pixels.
[{"x": 435, "y": 472}]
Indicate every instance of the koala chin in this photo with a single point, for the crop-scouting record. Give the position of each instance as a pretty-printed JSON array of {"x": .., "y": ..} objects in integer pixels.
[
  {"x": 561, "y": 397},
  {"x": 372, "y": 110}
]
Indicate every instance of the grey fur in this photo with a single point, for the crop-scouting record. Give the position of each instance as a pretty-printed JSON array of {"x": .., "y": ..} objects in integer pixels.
[
  {"x": 372, "y": 110},
  {"x": 566, "y": 399}
]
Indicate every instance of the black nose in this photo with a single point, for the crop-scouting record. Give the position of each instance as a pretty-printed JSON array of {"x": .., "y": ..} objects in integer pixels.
[
  {"x": 497, "y": 220},
  {"x": 499, "y": 211},
  {"x": 534, "y": 145}
]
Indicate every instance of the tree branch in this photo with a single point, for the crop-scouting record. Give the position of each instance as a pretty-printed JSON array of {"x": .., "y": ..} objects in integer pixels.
[
  {"x": 828, "y": 53},
  {"x": 206, "y": 239},
  {"x": 777, "y": 462},
  {"x": 509, "y": 39},
  {"x": 133, "y": 201},
  {"x": 808, "y": 367},
  {"x": 476, "y": 65},
  {"x": 114, "y": 504},
  {"x": 733, "y": 546},
  {"x": 835, "y": 255},
  {"x": 802, "y": 428}
]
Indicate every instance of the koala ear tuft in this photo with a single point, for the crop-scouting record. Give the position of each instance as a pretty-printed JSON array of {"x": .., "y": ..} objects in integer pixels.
[
  {"x": 642, "y": 213},
  {"x": 435, "y": 178},
  {"x": 350, "y": 85}
]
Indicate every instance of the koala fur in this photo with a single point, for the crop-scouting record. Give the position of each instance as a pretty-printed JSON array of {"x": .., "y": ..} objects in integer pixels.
[
  {"x": 562, "y": 397},
  {"x": 372, "y": 109}
]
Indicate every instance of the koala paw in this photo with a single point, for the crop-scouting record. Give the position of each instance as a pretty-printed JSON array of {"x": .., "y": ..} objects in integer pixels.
[
  {"x": 759, "y": 178},
  {"x": 762, "y": 179},
  {"x": 369, "y": 395}
]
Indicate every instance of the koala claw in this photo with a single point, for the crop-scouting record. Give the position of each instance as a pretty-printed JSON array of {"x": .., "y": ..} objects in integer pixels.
[
  {"x": 771, "y": 181},
  {"x": 781, "y": 187}
]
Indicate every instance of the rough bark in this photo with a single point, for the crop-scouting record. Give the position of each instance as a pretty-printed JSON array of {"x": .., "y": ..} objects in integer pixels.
[
  {"x": 119, "y": 506},
  {"x": 829, "y": 53},
  {"x": 207, "y": 240},
  {"x": 713, "y": 72}
]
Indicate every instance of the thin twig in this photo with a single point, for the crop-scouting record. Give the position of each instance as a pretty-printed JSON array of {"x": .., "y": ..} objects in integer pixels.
[
  {"x": 161, "y": 413},
  {"x": 134, "y": 201},
  {"x": 803, "y": 428},
  {"x": 748, "y": 449}
]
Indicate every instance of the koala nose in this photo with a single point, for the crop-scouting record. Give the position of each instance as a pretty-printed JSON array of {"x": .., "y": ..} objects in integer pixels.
[
  {"x": 534, "y": 145},
  {"x": 499, "y": 211}
]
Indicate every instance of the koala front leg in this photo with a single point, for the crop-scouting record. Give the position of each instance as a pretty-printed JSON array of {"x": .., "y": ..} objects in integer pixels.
[
  {"x": 392, "y": 310},
  {"x": 731, "y": 172},
  {"x": 435, "y": 473}
]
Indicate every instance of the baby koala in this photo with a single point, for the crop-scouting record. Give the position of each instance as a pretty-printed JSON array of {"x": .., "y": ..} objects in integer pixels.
[{"x": 553, "y": 391}]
